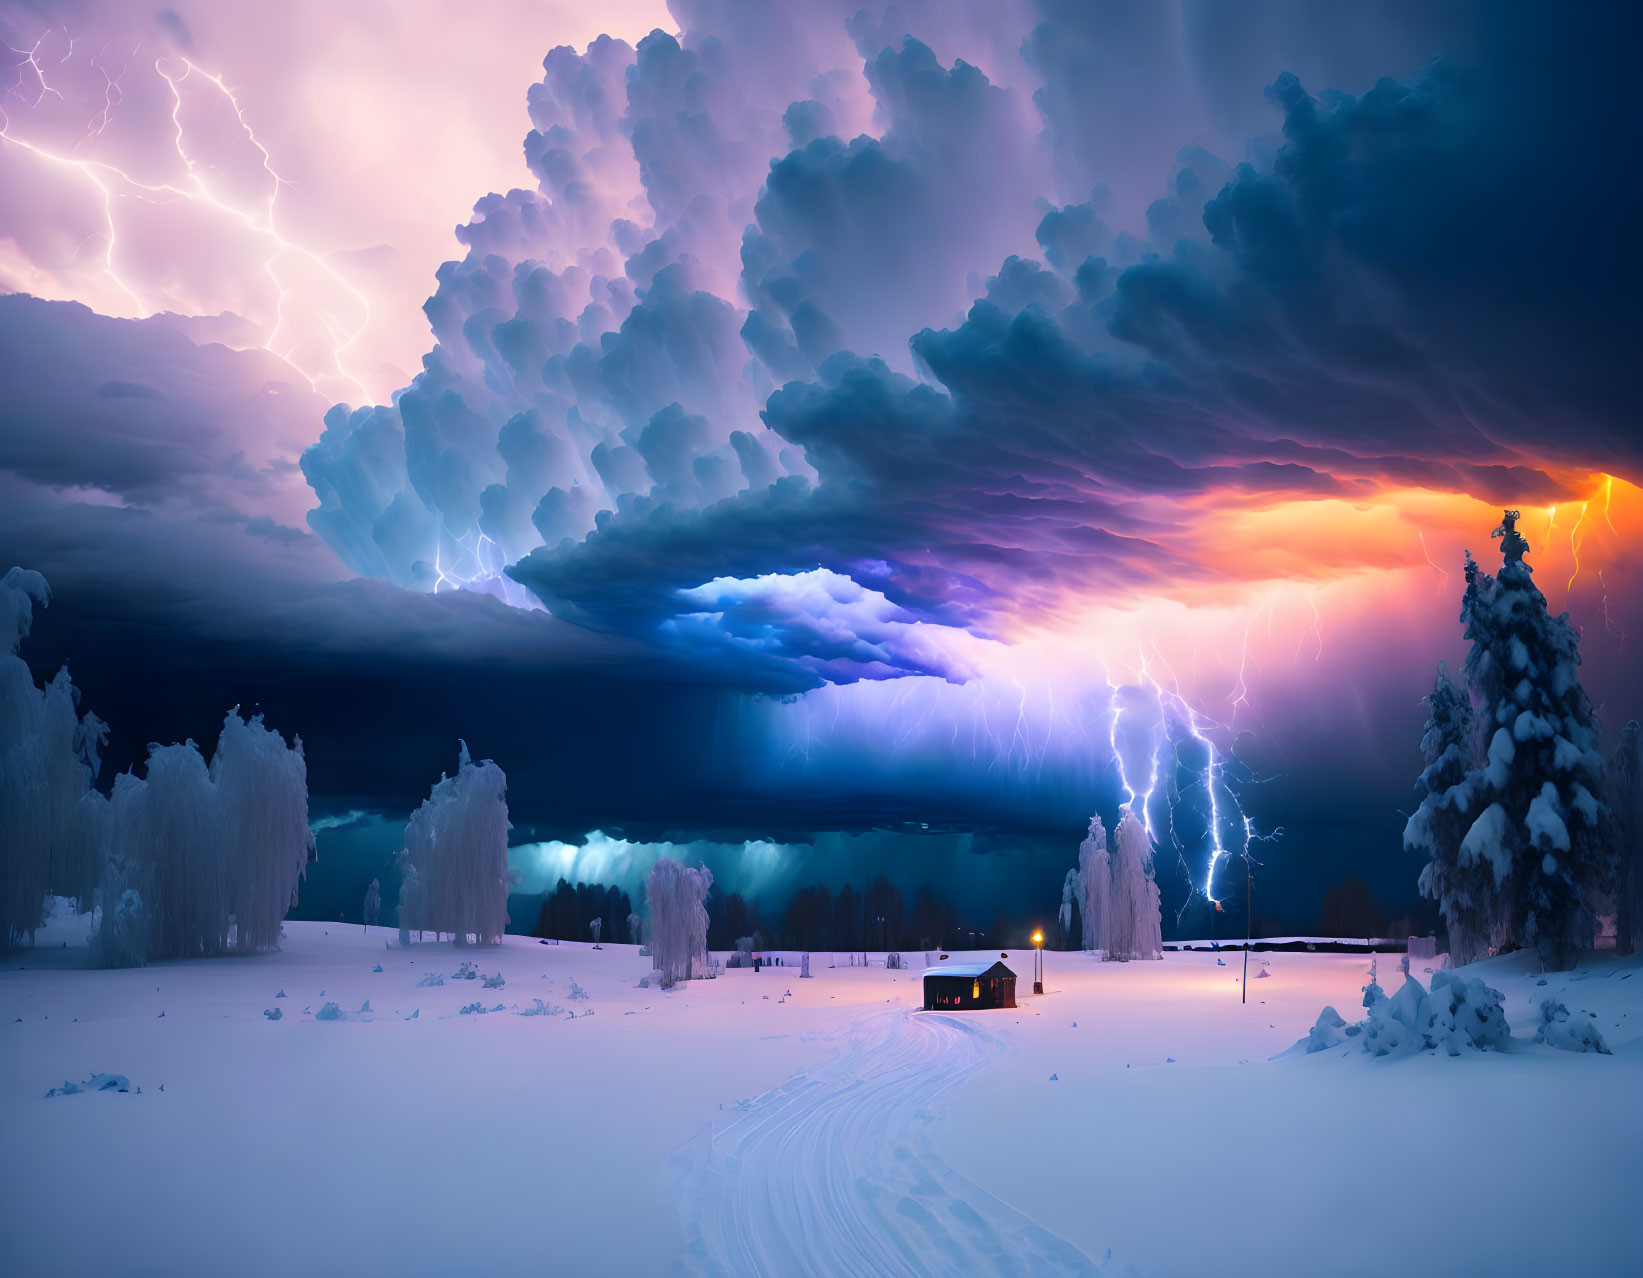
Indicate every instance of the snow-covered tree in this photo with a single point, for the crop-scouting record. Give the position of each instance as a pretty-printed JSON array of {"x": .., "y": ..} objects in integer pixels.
[
  {"x": 1072, "y": 887},
  {"x": 1464, "y": 887},
  {"x": 215, "y": 853},
  {"x": 1626, "y": 804},
  {"x": 1120, "y": 901},
  {"x": 413, "y": 899},
  {"x": 678, "y": 919},
  {"x": 51, "y": 831},
  {"x": 456, "y": 856},
  {"x": 1095, "y": 884},
  {"x": 373, "y": 903},
  {"x": 261, "y": 789},
  {"x": 122, "y": 933},
  {"x": 1137, "y": 919},
  {"x": 1538, "y": 824}
]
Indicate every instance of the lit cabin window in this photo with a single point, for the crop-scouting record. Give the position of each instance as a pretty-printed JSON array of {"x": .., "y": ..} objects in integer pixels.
[{"x": 975, "y": 990}]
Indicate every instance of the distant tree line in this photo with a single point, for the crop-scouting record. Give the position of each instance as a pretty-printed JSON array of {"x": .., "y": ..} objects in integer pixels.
[{"x": 568, "y": 912}]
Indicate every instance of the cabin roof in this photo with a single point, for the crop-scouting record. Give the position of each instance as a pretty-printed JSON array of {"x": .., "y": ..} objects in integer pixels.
[{"x": 969, "y": 970}]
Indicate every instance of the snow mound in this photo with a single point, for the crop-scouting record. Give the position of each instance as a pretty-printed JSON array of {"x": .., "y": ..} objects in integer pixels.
[
  {"x": 1558, "y": 1030},
  {"x": 432, "y": 978},
  {"x": 96, "y": 1083}
]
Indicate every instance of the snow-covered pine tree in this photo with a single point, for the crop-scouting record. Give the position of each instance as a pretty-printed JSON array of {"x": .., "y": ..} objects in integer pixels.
[
  {"x": 1539, "y": 823},
  {"x": 457, "y": 842},
  {"x": 1137, "y": 917},
  {"x": 1464, "y": 887},
  {"x": 678, "y": 919},
  {"x": 1625, "y": 782},
  {"x": 1095, "y": 881}
]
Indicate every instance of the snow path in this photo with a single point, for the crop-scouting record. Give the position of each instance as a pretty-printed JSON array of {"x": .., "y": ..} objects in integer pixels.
[{"x": 833, "y": 1173}]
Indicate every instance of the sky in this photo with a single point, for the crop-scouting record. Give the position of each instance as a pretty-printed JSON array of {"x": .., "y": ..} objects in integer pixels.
[{"x": 883, "y": 434}]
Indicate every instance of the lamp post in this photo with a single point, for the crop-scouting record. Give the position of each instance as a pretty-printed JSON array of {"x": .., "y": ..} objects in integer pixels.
[{"x": 1038, "y": 962}]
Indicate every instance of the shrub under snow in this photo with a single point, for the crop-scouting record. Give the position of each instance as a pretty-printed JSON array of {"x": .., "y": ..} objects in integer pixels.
[
  {"x": 1456, "y": 1012},
  {"x": 1557, "y": 1030}
]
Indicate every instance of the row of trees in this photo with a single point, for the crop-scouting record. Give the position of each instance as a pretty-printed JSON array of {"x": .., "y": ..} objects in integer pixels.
[
  {"x": 199, "y": 857},
  {"x": 568, "y": 914},
  {"x": 1521, "y": 847},
  {"x": 190, "y": 859}
]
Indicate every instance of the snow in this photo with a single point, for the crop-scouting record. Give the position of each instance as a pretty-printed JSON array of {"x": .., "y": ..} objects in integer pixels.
[
  {"x": 1545, "y": 822},
  {"x": 609, "y": 1144},
  {"x": 959, "y": 969},
  {"x": 1486, "y": 841}
]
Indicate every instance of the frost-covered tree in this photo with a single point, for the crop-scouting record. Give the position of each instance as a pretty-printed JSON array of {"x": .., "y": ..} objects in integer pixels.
[
  {"x": 373, "y": 903},
  {"x": 1120, "y": 902},
  {"x": 1137, "y": 919},
  {"x": 456, "y": 843},
  {"x": 1464, "y": 886},
  {"x": 51, "y": 819},
  {"x": 1539, "y": 825},
  {"x": 122, "y": 933},
  {"x": 262, "y": 825},
  {"x": 678, "y": 919},
  {"x": 1625, "y": 781},
  {"x": 412, "y": 899},
  {"x": 215, "y": 853},
  {"x": 1072, "y": 887},
  {"x": 1095, "y": 886}
]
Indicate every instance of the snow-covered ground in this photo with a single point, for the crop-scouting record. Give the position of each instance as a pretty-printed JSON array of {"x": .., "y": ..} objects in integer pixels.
[{"x": 1128, "y": 1119}]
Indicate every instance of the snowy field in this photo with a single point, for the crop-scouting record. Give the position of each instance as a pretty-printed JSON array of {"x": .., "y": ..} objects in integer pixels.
[{"x": 1128, "y": 1120}]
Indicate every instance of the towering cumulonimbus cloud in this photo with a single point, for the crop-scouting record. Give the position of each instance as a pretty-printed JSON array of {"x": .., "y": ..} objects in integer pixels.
[
  {"x": 838, "y": 347},
  {"x": 1007, "y": 394}
]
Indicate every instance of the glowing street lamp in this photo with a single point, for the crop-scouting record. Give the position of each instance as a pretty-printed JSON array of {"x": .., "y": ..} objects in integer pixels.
[{"x": 1038, "y": 962}]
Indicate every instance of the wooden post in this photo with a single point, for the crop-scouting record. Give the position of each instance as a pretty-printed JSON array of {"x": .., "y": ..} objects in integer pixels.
[{"x": 1249, "y": 926}]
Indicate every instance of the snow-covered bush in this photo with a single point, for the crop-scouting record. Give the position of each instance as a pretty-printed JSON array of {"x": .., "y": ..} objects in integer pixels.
[
  {"x": 50, "y": 817},
  {"x": 456, "y": 843},
  {"x": 1463, "y": 1012},
  {"x": 1456, "y": 1012},
  {"x": 678, "y": 919},
  {"x": 1556, "y": 1029}
]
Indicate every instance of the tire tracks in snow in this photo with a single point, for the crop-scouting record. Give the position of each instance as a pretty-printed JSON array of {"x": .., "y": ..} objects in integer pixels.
[{"x": 833, "y": 1174}]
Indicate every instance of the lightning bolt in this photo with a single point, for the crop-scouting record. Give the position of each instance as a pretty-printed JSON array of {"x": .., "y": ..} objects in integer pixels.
[
  {"x": 259, "y": 219},
  {"x": 1575, "y": 542},
  {"x": 1443, "y": 585}
]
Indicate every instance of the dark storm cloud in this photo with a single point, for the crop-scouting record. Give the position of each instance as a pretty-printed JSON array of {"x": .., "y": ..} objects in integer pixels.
[
  {"x": 137, "y": 410},
  {"x": 1383, "y": 303}
]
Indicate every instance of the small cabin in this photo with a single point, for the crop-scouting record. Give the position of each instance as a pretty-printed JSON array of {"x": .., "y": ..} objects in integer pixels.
[{"x": 968, "y": 985}]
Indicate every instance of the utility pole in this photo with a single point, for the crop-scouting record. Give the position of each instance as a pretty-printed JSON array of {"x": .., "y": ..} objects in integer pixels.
[{"x": 1249, "y": 925}]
